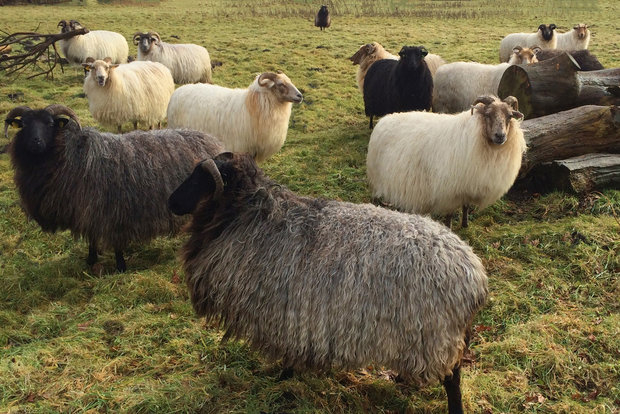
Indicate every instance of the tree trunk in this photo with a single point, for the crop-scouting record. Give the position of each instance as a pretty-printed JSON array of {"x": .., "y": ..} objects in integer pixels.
[
  {"x": 578, "y": 131},
  {"x": 577, "y": 175},
  {"x": 556, "y": 85}
]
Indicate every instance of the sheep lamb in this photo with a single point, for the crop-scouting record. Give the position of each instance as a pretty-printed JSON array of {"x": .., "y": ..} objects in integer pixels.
[
  {"x": 458, "y": 84},
  {"x": 398, "y": 86},
  {"x": 576, "y": 39},
  {"x": 110, "y": 189},
  {"x": 253, "y": 120},
  {"x": 322, "y": 19},
  {"x": 544, "y": 38},
  {"x": 132, "y": 92},
  {"x": 322, "y": 283},
  {"x": 188, "y": 63},
  {"x": 437, "y": 163},
  {"x": 97, "y": 44}
]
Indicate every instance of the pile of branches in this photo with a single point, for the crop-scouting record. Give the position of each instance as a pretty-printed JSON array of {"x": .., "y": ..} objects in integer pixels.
[{"x": 37, "y": 48}]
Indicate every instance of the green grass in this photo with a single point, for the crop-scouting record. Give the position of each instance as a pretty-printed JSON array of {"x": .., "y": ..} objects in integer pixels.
[{"x": 74, "y": 339}]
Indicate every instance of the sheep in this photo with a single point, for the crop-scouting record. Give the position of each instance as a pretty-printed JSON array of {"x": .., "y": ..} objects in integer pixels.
[
  {"x": 396, "y": 86},
  {"x": 132, "y": 92},
  {"x": 586, "y": 60},
  {"x": 97, "y": 44},
  {"x": 371, "y": 52},
  {"x": 576, "y": 39},
  {"x": 253, "y": 120},
  {"x": 544, "y": 38},
  {"x": 188, "y": 63},
  {"x": 109, "y": 189},
  {"x": 322, "y": 283},
  {"x": 322, "y": 18},
  {"x": 436, "y": 163},
  {"x": 458, "y": 84}
]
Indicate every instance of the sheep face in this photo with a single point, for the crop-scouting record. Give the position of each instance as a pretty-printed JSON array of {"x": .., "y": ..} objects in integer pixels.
[
  {"x": 211, "y": 177},
  {"x": 581, "y": 30},
  {"x": 69, "y": 26},
  {"x": 364, "y": 51},
  {"x": 281, "y": 86},
  {"x": 497, "y": 116},
  {"x": 412, "y": 57},
  {"x": 145, "y": 41},
  {"x": 38, "y": 128},
  {"x": 100, "y": 70},
  {"x": 524, "y": 55},
  {"x": 547, "y": 31}
]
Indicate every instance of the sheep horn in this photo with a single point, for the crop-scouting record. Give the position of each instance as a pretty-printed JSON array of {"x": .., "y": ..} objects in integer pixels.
[
  {"x": 210, "y": 166},
  {"x": 156, "y": 35},
  {"x": 485, "y": 99},
  {"x": 62, "y": 23},
  {"x": 136, "y": 38},
  {"x": 267, "y": 75},
  {"x": 57, "y": 109},
  {"x": 17, "y": 111}
]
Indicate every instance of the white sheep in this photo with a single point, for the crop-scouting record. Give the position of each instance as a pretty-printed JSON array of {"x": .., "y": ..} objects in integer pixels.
[
  {"x": 97, "y": 44},
  {"x": 252, "y": 120},
  {"x": 371, "y": 52},
  {"x": 188, "y": 63},
  {"x": 425, "y": 162},
  {"x": 131, "y": 92},
  {"x": 457, "y": 84},
  {"x": 576, "y": 39},
  {"x": 544, "y": 38}
]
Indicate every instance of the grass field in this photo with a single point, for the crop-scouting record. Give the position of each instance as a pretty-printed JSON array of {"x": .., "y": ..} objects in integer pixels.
[{"x": 75, "y": 339}]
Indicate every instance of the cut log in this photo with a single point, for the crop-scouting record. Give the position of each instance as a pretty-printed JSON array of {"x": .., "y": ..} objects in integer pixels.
[
  {"x": 557, "y": 84},
  {"x": 577, "y": 175},
  {"x": 567, "y": 134}
]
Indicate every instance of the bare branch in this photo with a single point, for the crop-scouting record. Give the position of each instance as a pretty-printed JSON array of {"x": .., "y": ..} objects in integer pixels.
[{"x": 11, "y": 64}]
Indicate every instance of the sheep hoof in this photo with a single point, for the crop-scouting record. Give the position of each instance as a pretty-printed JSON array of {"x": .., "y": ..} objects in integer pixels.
[
  {"x": 121, "y": 267},
  {"x": 287, "y": 373}
]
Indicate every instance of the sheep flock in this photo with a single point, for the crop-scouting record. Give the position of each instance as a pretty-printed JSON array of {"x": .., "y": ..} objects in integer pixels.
[{"x": 314, "y": 284}]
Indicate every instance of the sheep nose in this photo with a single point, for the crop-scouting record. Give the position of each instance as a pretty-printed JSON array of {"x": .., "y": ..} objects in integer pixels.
[
  {"x": 499, "y": 138},
  {"x": 101, "y": 80},
  {"x": 299, "y": 97}
]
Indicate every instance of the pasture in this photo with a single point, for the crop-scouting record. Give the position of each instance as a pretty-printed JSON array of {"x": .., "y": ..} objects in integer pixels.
[{"x": 80, "y": 339}]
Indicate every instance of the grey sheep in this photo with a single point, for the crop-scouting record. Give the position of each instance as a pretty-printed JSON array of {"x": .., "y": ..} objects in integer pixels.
[
  {"x": 323, "y": 283},
  {"x": 110, "y": 189}
]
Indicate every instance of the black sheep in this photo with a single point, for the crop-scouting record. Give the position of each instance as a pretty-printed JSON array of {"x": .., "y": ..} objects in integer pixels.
[
  {"x": 398, "y": 85},
  {"x": 586, "y": 60},
  {"x": 322, "y": 18}
]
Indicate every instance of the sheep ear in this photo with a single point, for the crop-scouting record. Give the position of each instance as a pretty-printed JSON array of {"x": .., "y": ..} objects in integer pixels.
[
  {"x": 536, "y": 49},
  {"x": 423, "y": 51},
  {"x": 517, "y": 115},
  {"x": 552, "y": 26},
  {"x": 87, "y": 66}
]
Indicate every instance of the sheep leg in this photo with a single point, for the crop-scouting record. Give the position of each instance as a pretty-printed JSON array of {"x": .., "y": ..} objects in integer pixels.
[
  {"x": 448, "y": 221},
  {"x": 92, "y": 254},
  {"x": 287, "y": 373},
  {"x": 464, "y": 221},
  {"x": 370, "y": 125},
  {"x": 120, "y": 129},
  {"x": 135, "y": 125},
  {"x": 121, "y": 267},
  {"x": 453, "y": 390}
]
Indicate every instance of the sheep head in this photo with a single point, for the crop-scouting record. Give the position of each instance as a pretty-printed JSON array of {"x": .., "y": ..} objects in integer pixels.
[
  {"x": 38, "y": 128},
  {"x": 412, "y": 57},
  {"x": 547, "y": 31},
  {"x": 280, "y": 85},
  {"x": 582, "y": 30},
  {"x": 100, "y": 70},
  {"x": 212, "y": 179},
  {"x": 145, "y": 41},
  {"x": 523, "y": 55},
  {"x": 364, "y": 51},
  {"x": 496, "y": 115}
]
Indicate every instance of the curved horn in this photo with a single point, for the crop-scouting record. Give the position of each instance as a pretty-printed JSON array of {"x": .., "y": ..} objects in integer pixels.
[
  {"x": 17, "y": 111},
  {"x": 62, "y": 23},
  {"x": 57, "y": 109},
  {"x": 156, "y": 35},
  {"x": 210, "y": 165},
  {"x": 266, "y": 76},
  {"x": 136, "y": 38},
  {"x": 512, "y": 101},
  {"x": 485, "y": 99}
]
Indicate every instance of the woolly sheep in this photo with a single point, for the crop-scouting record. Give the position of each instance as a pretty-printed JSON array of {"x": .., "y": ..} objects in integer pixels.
[
  {"x": 320, "y": 283},
  {"x": 253, "y": 120},
  {"x": 544, "y": 38},
  {"x": 586, "y": 60},
  {"x": 371, "y": 52},
  {"x": 322, "y": 18},
  {"x": 97, "y": 44},
  {"x": 437, "y": 163},
  {"x": 110, "y": 189},
  {"x": 397, "y": 86},
  {"x": 576, "y": 39},
  {"x": 132, "y": 92},
  {"x": 188, "y": 63},
  {"x": 458, "y": 84}
]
